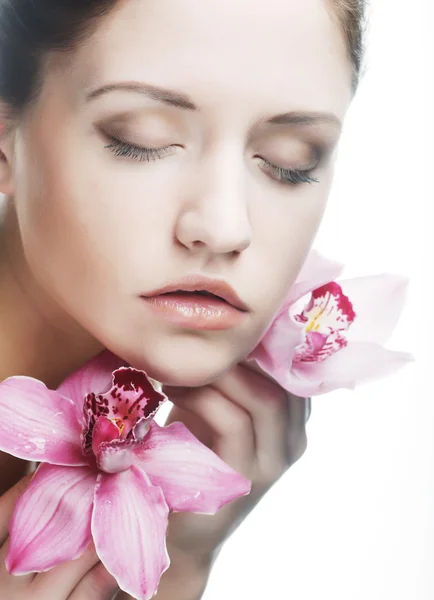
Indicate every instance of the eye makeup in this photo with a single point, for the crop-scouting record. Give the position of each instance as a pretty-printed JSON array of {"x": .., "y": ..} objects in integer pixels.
[{"x": 289, "y": 157}]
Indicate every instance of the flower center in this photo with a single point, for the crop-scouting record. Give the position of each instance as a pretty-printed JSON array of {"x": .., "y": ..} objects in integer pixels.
[
  {"x": 120, "y": 425},
  {"x": 327, "y": 317},
  {"x": 121, "y": 413}
]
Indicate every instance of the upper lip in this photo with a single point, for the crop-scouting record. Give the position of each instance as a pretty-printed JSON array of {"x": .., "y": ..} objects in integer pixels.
[{"x": 199, "y": 283}]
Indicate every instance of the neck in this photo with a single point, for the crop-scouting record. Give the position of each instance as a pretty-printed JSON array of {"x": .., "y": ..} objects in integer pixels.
[{"x": 37, "y": 338}]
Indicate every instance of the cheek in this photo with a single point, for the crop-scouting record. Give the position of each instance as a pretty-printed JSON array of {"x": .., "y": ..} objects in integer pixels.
[
  {"x": 53, "y": 221},
  {"x": 283, "y": 236},
  {"x": 90, "y": 221}
]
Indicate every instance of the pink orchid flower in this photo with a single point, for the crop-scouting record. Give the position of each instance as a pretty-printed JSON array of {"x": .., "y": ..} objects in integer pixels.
[
  {"x": 334, "y": 338},
  {"x": 109, "y": 474}
]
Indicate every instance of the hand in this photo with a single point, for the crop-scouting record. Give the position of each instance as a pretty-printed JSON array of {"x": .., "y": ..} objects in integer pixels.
[
  {"x": 81, "y": 579},
  {"x": 256, "y": 427}
]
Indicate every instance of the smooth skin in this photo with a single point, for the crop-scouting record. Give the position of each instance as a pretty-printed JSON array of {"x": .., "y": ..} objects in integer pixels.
[{"x": 85, "y": 231}]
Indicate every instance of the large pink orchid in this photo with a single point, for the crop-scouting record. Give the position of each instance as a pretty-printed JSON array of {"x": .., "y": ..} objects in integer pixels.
[
  {"x": 109, "y": 473},
  {"x": 334, "y": 337}
]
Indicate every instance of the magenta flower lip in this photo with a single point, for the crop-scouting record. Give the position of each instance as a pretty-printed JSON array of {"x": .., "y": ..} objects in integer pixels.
[{"x": 108, "y": 474}]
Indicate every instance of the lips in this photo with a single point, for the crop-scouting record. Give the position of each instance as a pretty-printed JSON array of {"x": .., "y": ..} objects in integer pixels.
[
  {"x": 202, "y": 293},
  {"x": 199, "y": 286}
]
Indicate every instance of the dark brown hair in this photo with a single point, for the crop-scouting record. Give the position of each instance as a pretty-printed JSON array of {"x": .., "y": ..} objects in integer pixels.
[
  {"x": 351, "y": 18},
  {"x": 29, "y": 29}
]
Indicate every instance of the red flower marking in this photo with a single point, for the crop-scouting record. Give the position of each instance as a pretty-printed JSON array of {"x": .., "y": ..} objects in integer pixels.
[
  {"x": 327, "y": 316},
  {"x": 132, "y": 398}
]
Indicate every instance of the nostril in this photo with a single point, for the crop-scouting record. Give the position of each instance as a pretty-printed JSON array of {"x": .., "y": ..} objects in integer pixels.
[{"x": 198, "y": 244}]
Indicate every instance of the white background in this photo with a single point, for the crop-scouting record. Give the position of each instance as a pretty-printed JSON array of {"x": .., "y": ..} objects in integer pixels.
[{"x": 354, "y": 518}]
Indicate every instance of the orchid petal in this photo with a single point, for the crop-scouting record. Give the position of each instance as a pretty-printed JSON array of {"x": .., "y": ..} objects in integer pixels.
[
  {"x": 277, "y": 347},
  {"x": 316, "y": 271},
  {"x": 359, "y": 361},
  {"x": 193, "y": 478},
  {"x": 37, "y": 424},
  {"x": 51, "y": 520},
  {"x": 129, "y": 527},
  {"x": 378, "y": 301},
  {"x": 94, "y": 376}
]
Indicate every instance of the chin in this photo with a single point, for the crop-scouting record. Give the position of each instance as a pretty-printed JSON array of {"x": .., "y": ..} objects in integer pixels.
[
  {"x": 187, "y": 376},
  {"x": 181, "y": 364}
]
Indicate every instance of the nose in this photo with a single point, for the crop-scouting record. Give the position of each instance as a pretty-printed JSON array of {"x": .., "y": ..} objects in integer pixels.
[{"x": 216, "y": 220}]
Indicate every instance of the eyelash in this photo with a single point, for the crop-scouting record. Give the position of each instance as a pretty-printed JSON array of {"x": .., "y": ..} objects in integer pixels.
[
  {"x": 120, "y": 148},
  {"x": 291, "y": 176},
  {"x": 286, "y": 176}
]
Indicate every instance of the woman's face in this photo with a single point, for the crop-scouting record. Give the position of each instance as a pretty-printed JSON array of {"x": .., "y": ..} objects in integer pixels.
[{"x": 101, "y": 225}]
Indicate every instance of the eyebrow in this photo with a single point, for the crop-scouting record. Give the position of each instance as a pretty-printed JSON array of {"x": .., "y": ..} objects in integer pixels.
[{"x": 183, "y": 101}]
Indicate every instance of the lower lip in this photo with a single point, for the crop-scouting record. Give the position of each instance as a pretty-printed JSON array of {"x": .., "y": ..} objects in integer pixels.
[{"x": 195, "y": 311}]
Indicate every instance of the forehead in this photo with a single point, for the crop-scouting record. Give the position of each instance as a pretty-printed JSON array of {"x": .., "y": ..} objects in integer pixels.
[{"x": 275, "y": 55}]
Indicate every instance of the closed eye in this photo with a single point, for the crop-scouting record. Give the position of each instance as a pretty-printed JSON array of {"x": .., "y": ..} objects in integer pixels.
[
  {"x": 125, "y": 149},
  {"x": 290, "y": 176}
]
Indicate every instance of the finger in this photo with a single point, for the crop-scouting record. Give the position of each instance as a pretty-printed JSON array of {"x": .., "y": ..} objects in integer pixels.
[
  {"x": 7, "y": 505},
  {"x": 17, "y": 582},
  {"x": 228, "y": 425},
  {"x": 278, "y": 417},
  {"x": 203, "y": 431},
  {"x": 65, "y": 579},
  {"x": 299, "y": 409},
  {"x": 97, "y": 584}
]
